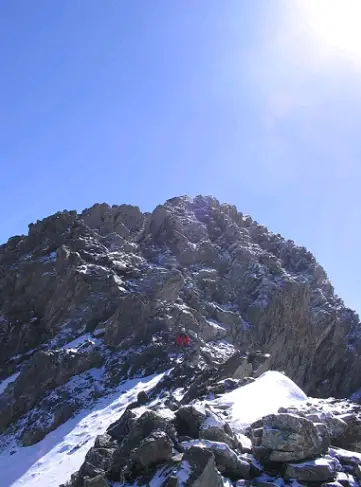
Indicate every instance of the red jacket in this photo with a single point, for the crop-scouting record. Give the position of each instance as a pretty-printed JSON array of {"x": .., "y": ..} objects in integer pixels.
[{"x": 182, "y": 340}]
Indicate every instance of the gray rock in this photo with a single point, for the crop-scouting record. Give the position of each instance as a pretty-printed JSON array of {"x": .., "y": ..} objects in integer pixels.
[
  {"x": 155, "y": 449},
  {"x": 172, "y": 481},
  {"x": 200, "y": 469},
  {"x": 131, "y": 316},
  {"x": 318, "y": 470},
  {"x": 285, "y": 437},
  {"x": 98, "y": 481},
  {"x": 143, "y": 427},
  {"x": 121, "y": 428},
  {"x": 236, "y": 367},
  {"x": 44, "y": 372},
  {"x": 217, "y": 434},
  {"x": 189, "y": 420},
  {"x": 228, "y": 462}
]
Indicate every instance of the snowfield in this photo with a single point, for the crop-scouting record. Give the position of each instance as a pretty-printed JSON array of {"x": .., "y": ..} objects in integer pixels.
[{"x": 51, "y": 461}]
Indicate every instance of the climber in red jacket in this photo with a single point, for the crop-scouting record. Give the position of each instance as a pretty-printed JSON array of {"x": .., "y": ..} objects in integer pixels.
[{"x": 182, "y": 339}]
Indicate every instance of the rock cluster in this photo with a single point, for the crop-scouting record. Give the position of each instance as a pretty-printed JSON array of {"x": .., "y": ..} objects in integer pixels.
[{"x": 194, "y": 447}]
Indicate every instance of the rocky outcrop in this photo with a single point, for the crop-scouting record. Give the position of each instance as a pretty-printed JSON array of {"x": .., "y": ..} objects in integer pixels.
[
  {"x": 286, "y": 437},
  {"x": 44, "y": 372}
]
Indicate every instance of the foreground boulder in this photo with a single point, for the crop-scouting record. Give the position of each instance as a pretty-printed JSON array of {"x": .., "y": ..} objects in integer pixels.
[
  {"x": 189, "y": 420},
  {"x": 149, "y": 441},
  {"x": 318, "y": 470},
  {"x": 154, "y": 449},
  {"x": 198, "y": 469},
  {"x": 98, "y": 481},
  {"x": 286, "y": 437},
  {"x": 227, "y": 461}
]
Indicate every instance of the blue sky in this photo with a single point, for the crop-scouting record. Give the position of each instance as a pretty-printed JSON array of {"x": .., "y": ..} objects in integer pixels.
[{"x": 138, "y": 101}]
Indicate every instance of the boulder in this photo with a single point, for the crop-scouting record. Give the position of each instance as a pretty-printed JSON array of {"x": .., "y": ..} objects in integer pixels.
[
  {"x": 98, "y": 481},
  {"x": 142, "y": 398},
  {"x": 228, "y": 462},
  {"x": 188, "y": 421},
  {"x": 143, "y": 427},
  {"x": 130, "y": 317},
  {"x": 154, "y": 449},
  {"x": 214, "y": 429},
  {"x": 198, "y": 469},
  {"x": 165, "y": 284},
  {"x": 121, "y": 428},
  {"x": 350, "y": 437},
  {"x": 104, "y": 441},
  {"x": 96, "y": 463},
  {"x": 317, "y": 470},
  {"x": 236, "y": 367},
  {"x": 172, "y": 481},
  {"x": 286, "y": 437}
]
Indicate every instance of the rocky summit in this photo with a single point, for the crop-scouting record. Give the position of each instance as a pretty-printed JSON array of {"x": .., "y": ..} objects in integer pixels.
[{"x": 90, "y": 306}]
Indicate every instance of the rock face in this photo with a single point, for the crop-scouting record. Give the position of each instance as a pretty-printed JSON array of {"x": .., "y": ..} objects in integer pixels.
[{"x": 192, "y": 262}]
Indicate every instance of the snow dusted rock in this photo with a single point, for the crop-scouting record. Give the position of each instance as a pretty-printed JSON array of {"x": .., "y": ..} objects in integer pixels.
[
  {"x": 189, "y": 420},
  {"x": 148, "y": 424},
  {"x": 285, "y": 438},
  {"x": 318, "y": 470},
  {"x": 154, "y": 449},
  {"x": 121, "y": 428},
  {"x": 98, "y": 481},
  {"x": 341, "y": 417},
  {"x": 236, "y": 367},
  {"x": 164, "y": 284},
  {"x": 97, "y": 462},
  {"x": 227, "y": 461},
  {"x": 212, "y": 429},
  {"x": 44, "y": 372},
  {"x": 198, "y": 469},
  {"x": 130, "y": 317}
]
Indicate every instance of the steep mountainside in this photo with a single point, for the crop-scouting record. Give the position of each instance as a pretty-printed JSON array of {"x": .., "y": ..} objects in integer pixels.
[{"x": 88, "y": 300}]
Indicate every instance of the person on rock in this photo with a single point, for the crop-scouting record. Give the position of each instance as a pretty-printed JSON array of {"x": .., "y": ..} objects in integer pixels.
[{"x": 182, "y": 339}]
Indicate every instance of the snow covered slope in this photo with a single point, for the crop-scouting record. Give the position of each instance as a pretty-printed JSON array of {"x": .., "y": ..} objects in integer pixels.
[{"x": 51, "y": 461}]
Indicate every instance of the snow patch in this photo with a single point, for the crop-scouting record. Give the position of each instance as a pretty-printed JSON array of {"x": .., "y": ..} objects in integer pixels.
[
  {"x": 266, "y": 395},
  {"x": 6, "y": 382},
  {"x": 184, "y": 472},
  {"x": 77, "y": 341}
]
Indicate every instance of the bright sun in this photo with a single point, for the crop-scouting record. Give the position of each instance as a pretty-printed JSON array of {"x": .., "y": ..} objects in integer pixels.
[{"x": 337, "y": 23}]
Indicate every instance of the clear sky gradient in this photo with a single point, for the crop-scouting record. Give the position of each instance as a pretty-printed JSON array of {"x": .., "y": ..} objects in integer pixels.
[{"x": 138, "y": 101}]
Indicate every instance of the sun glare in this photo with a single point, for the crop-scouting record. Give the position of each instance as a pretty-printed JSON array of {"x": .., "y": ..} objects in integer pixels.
[{"x": 336, "y": 23}]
